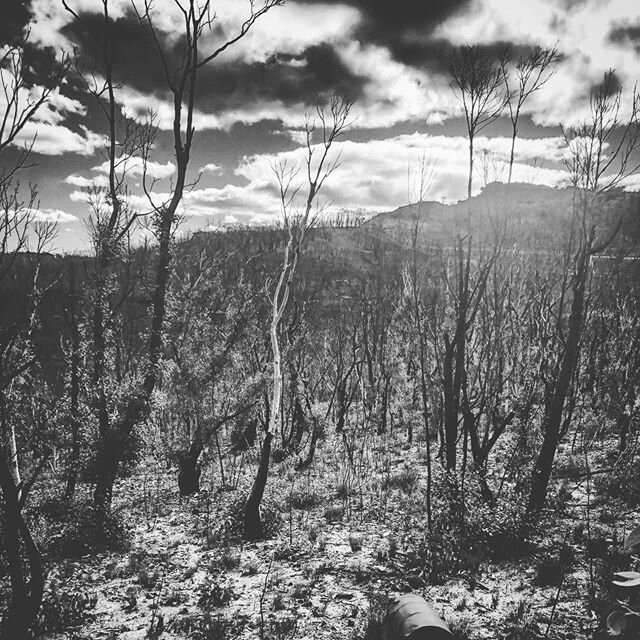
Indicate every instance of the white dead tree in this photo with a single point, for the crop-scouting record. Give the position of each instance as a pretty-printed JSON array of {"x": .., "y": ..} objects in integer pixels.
[{"x": 299, "y": 217}]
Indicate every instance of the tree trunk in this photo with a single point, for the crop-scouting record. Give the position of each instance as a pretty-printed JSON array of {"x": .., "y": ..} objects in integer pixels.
[
  {"x": 106, "y": 469},
  {"x": 252, "y": 520},
  {"x": 554, "y": 412},
  {"x": 312, "y": 446},
  {"x": 450, "y": 407},
  {"x": 26, "y": 595},
  {"x": 73, "y": 462},
  {"x": 298, "y": 422},
  {"x": 189, "y": 474},
  {"x": 470, "y": 180}
]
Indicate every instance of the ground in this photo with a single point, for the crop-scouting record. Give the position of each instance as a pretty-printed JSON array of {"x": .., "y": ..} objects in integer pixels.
[{"x": 340, "y": 546}]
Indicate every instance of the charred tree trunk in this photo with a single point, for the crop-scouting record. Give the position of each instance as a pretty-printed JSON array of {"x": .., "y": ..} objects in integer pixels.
[
  {"x": 22, "y": 555},
  {"x": 312, "y": 446},
  {"x": 106, "y": 470},
  {"x": 74, "y": 421},
  {"x": 555, "y": 409},
  {"x": 298, "y": 422},
  {"x": 252, "y": 520},
  {"x": 190, "y": 469}
]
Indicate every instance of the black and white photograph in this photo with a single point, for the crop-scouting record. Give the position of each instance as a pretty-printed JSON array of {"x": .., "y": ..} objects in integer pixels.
[{"x": 319, "y": 319}]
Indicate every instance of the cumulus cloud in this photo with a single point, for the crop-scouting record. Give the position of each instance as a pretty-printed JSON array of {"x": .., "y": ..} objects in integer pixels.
[
  {"x": 212, "y": 168},
  {"x": 86, "y": 183},
  {"x": 46, "y": 128},
  {"x": 372, "y": 175},
  {"x": 56, "y": 216},
  {"x": 583, "y": 33},
  {"x": 135, "y": 167},
  {"x": 54, "y": 140}
]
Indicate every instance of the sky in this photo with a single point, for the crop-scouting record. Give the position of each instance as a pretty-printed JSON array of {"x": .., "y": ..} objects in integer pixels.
[{"x": 392, "y": 58}]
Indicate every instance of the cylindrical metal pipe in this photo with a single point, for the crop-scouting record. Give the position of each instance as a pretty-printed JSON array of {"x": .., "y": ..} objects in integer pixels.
[{"x": 410, "y": 617}]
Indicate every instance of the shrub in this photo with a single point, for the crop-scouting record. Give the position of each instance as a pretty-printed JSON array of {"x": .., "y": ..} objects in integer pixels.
[
  {"x": 378, "y": 604},
  {"x": 282, "y": 628},
  {"x": 313, "y": 531},
  {"x": 549, "y": 571},
  {"x": 465, "y": 531},
  {"x": 204, "y": 627},
  {"x": 65, "y": 607},
  {"x": 229, "y": 560},
  {"x": 404, "y": 480},
  {"x": 519, "y": 623},
  {"x": 229, "y": 526},
  {"x": 623, "y": 483},
  {"x": 460, "y": 626},
  {"x": 355, "y": 541},
  {"x": 304, "y": 499},
  {"x": 334, "y": 513},
  {"x": 214, "y": 593},
  {"x": 83, "y": 530}
]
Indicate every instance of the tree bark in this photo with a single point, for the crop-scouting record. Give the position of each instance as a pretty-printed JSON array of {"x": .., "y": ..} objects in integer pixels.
[
  {"x": 554, "y": 411},
  {"x": 252, "y": 521},
  {"x": 26, "y": 594},
  {"x": 189, "y": 474}
]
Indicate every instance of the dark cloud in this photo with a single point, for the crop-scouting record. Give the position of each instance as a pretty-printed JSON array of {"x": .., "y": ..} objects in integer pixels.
[
  {"x": 14, "y": 17},
  {"x": 386, "y": 16},
  {"x": 316, "y": 72},
  {"x": 38, "y": 64},
  {"x": 626, "y": 34},
  {"x": 405, "y": 27}
]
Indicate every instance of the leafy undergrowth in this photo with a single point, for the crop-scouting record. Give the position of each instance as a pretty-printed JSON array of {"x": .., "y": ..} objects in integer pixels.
[{"x": 342, "y": 537}]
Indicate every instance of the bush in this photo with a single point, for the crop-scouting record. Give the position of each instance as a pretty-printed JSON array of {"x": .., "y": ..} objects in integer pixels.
[
  {"x": 405, "y": 480},
  {"x": 304, "y": 499},
  {"x": 519, "y": 623},
  {"x": 333, "y": 514},
  {"x": 65, "y": 607},
  {"x": 378, "y": 604},
  {"x": 623, "y": 483},
  {"x": 229, "y": 527},
  {"x": 465, "y": 531},
  {"x": 77, "y": 530},
  {"x": 549, "y": 571},
  {"x": 355, "y": 541},
  {"x": 215, "y": 593},
  {"x": 204, "y": 627}
]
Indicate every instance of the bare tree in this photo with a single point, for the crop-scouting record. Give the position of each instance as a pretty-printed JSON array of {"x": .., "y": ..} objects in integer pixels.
[
  {"x": 22, "y": 237},
  {"x": 181, "y": 81},
  {"x": 601, "y": 154},
  {"x": 532, "y": 72},
  {"x": 298, "y": 218},
  {"x": 477, "y": 84}
]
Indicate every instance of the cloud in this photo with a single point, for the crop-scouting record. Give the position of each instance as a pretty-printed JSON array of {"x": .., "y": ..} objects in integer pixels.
[
  {"x": 56, "y": 216},
  {"x": 46, "y": 129},
  {"x": 212, "y": 168},
  {"x": 625, "y": 35},
  {"x": 404, "y": 26},
  {"x": 135, "y": 167},
  {"x": 86, "y": 183},
  {"x": 372, "y": 176},
  {"x": 54, "y": 140},
  {"x": 583, "y": 33},
  {"x": 15, "y": 17}
]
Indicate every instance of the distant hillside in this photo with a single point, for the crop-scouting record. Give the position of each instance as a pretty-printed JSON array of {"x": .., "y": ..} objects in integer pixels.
[{"x": 526, "y": 212}]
